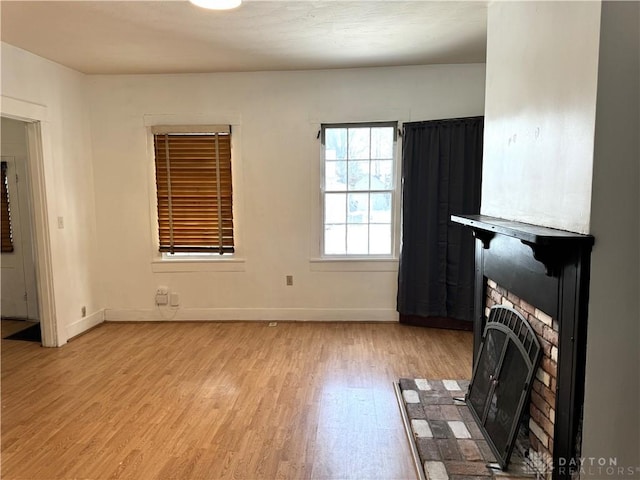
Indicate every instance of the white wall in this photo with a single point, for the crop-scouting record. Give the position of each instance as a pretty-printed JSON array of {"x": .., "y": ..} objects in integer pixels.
[
  {"x": 612, "y": 403},
  {"x": 542, "y": 60},
  {"x": 58, "y": 94},
  {"x": 276, "y": 117},
  {"x": 562, "y": 119}
]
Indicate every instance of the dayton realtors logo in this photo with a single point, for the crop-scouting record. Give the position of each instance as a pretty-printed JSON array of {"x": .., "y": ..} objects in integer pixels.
[
  {"x": 596, "y": 467},
  {"x": 538, "y": 464}
]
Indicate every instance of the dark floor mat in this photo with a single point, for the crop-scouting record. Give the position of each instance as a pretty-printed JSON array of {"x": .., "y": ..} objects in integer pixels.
[{"x": 30, "y": 334}]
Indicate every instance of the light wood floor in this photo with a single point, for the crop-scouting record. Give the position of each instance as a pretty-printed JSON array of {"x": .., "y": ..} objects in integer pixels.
[{"x": 218, "y": 401}]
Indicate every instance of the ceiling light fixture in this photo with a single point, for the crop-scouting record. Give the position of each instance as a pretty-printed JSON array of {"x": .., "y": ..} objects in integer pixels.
[{"x": 217, "y": 4}]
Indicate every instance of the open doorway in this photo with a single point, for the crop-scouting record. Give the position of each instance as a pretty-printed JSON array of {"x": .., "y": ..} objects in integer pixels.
[
  {"x": 19, "y": 302},
  {"x": 38, "y": 135}
]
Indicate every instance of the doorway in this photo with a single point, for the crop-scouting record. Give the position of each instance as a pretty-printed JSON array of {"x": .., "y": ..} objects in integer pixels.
[{"x": 19, "y": 302}]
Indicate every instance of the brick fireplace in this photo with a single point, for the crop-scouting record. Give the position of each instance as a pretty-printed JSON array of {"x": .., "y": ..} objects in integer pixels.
[
  {"x": 542, "y": 407},
  {"x": 543, "y": 274}
]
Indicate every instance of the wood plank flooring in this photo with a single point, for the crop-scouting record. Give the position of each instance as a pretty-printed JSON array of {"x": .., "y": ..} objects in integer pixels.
[{"x": 218, "y": 401}]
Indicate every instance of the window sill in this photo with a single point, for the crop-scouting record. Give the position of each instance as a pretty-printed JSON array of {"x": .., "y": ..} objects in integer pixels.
[
  {"x": 356, "y": 264},
  {"x": 198, "y": 265}
]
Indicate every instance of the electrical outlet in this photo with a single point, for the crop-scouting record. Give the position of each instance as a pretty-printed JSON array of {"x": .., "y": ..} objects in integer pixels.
[
  {"x": 162, "y": 299},
  {"x": 162, "y": 295},
  {"x": 174, "y": 299},
  {"x": 289, "y": 280}
]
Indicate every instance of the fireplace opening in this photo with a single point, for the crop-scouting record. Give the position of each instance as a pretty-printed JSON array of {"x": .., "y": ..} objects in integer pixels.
[
  {"x": 500, "y": 387},
  {"x": 535, "y": 439}
]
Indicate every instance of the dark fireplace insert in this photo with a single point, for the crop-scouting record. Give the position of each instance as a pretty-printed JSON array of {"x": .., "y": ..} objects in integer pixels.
[{"x": 502, "y": 378}]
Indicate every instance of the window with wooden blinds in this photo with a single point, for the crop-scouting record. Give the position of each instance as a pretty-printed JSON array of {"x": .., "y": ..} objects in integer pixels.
[
  {"x": 6, "y": 234},
  {"x": 194, "y": 189}
]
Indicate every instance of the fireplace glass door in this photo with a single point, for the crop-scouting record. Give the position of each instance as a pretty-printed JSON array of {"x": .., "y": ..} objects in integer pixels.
[{"x": 502, "y": 377}]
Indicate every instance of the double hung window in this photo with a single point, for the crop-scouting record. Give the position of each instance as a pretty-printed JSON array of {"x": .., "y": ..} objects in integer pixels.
[
  {"x": 194, "y": 189},
  {"x": 358, "y": 189}
]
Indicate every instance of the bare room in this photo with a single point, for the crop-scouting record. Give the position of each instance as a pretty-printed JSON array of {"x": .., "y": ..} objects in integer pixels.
[{"x": 280, "y": 239}]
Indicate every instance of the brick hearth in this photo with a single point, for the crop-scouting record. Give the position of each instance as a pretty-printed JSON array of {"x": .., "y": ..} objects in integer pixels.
[{"x": 448, "y": 441}]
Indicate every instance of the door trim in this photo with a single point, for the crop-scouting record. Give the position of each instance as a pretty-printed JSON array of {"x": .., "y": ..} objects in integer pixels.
[{"x": 38, "y": 138}]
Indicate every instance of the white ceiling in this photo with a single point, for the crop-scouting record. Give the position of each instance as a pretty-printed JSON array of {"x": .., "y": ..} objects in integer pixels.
[{"x": 173, "y": 36}]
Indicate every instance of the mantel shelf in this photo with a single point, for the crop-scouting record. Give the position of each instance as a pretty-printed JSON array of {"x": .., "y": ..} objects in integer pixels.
[{"x": 548, "y": 244}]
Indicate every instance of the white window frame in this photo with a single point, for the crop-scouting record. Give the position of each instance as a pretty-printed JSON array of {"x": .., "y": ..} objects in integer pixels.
[
  {"x": 358, "y": 262},
  {"x": 199, "y": 262}
]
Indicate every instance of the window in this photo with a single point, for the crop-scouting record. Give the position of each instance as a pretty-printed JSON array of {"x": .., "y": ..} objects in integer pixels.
[
  {"x": 5, "y": 221},
  {"x": 358, "y": 189},
  {"x": 194, "y": 189}
]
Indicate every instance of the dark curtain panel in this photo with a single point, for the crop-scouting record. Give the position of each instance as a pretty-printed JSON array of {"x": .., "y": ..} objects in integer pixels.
[{"x": 441, "y": 176}]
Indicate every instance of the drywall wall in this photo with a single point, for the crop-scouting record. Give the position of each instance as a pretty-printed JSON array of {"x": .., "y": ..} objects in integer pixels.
[
  {"x": 612, "y": 417},
  {"x": 19, "y": 297},
  {"x": 33, "y": 84},
  {"x": 275, "y": 118},
  {"x": 562, "y": 120},
  {"x": 540, "y": 112}
]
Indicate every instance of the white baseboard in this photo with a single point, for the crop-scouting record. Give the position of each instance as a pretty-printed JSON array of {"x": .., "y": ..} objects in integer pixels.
[
  {"x": 252, "y": 314},
  {"x": 84, "y": 324}
]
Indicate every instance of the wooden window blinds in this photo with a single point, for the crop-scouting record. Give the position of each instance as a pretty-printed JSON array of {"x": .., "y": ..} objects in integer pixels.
[
  {"x": 194, "y": 189},
  {"x": 5, "y": 221}
]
